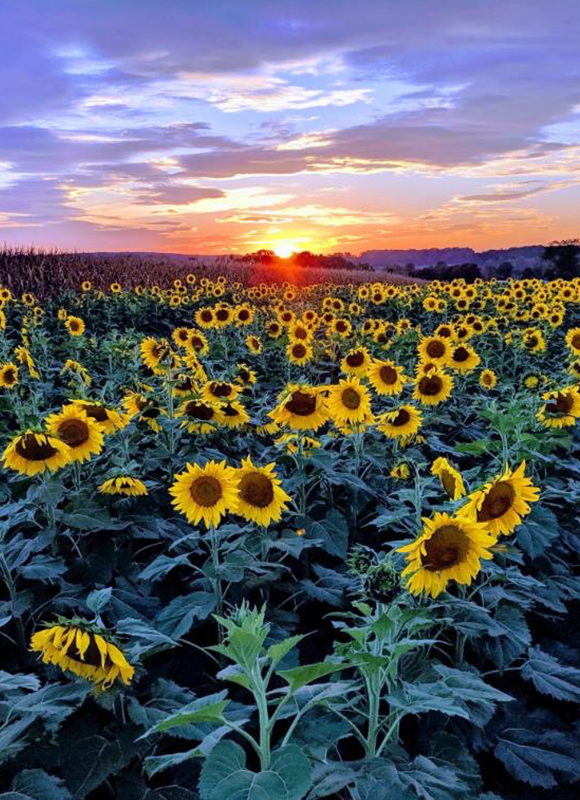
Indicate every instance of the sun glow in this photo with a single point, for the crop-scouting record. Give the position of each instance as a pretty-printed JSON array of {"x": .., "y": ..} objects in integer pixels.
[{"x": 283, "y": 249}]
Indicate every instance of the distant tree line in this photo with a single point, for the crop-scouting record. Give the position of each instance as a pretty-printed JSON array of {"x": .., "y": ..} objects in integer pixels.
[{"x": 306, "y": 260}]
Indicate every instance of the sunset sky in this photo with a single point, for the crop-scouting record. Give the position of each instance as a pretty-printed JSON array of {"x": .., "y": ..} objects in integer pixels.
[{"x": 214, "y": 127}]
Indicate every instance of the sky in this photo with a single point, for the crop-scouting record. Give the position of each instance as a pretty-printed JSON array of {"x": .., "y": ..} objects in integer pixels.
[{"x": 191, "y": 126}]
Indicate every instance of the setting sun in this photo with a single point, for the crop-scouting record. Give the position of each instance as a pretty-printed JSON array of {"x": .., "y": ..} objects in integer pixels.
[{"x": 283, "y": 249}]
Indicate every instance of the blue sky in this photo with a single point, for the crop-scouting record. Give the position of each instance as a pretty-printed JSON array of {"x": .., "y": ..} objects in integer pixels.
[{"x": 190, "y": 126}]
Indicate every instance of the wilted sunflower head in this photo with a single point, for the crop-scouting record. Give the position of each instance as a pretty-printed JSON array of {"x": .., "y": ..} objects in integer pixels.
[
  {"x": 85, "y": 649},
  {"x": 32, "y": 452},
  {"x": 450, "y": 478},
  {"x": 562, "y": 408},
  {"x": 124, "y": 485}
]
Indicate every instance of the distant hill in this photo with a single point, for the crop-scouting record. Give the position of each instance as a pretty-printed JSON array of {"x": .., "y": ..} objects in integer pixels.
[{"x": 520, "y": 257}]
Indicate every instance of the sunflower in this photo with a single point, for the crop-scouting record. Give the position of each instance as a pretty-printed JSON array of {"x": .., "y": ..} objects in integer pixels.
[
  {"x": 124, "y": 484},
  {"x": 401, "y": 422},
  {"x": 207, "y": 492},
  {"x": 152, "y": 352},
  {"x": 487, "y": 379},
  {"x": 219, "y": 391},
  {"x": 85, "y": 649},
  {"x": 299, "y": 332},
  {"x": 301, "y": 407},
  {"x": 144, "y": 409},
  {"x": 450, "y": 548},
  {"x": 533, "y": 340},
  {"x": 82, "y": 434},
  {"x": 503, "y": 502},
  {"x": 299, "y": 352},
  {"x": 401, "y": 472},
  {"x": 23, "y": 355},
  {"x": 356, "y": 362},
  {"x": 296, "y": 442},
  {"x": 199, "y": 416},
  {"x": 433, "y": 387},
  {"x": 386, "y": 377},
  {"x": 75, "y": 326},
  {"x": 197, "y": 342},
  {"x": 245, "y": 375},
  {"x": 450, "y": 478},
  {"x": 463, "y": 359},
  {"x": 254, "y": 344},
  {"x": 562, "y": 408},
  {"x": 204, "y": 317},
  {"x": 261, "y": 498},
  {"x": 86, "y": 286},
  {"x": 574, "y": 369},
  {"x": 274, "y": 329},
  {"x": 233, "y": 414},
  {"x": 349, "y": 402},
  {"x": 434, "y": 348},
  {"x": 573, "y": 340},
  {"x": 8, "y": 375},
  {"x": 181, "y": 336},
  {"x": 32, "y": 452},
  {"x": 109, "y": 419},
  {"x": 341, "y": 327}
]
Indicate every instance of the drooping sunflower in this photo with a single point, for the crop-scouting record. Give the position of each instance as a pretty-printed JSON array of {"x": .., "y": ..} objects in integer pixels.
[
  {"x": 401, "y": 472},
  {"x": 75, "y": 326},
  {"x": 356, "y": 362},
  {"x": 109, "y": 419},
  {"x": 463, "y": 359},
  {"x": 433, "y": 388},
  {"x": 82, "y": 434},
  {"x": 8, "y": 376},
  {"x": 152, "y": 352},
  {"x": 301, "y": 407},
  {"x": 233, "y": 414},
  {"x": 207, "y": 492},
  {"x": 435, "y": 348},
  {"x": 84, "y": 649},
  {"x": 349, "y": 402},
  {"x": 32, "y": 452},
  {"x": 299, "y": 352},
  {"x": 260, "y": 496},
  {"x": 562, "y": 408},
  {"x": 573, "y": 340},
  {"x": 450, "y": 548},
  {"x": 386, "y": 377},
  {"x": 143, "y": 409},
  {"x": 219, "y": 391},
  {"x": 124, "y": 484},
  {"x": 487, "y": 379},
  {"x": 450, "y": 478},
  {"x": 245, "y": 375},
  {"x": 199, "y": 416},
  {"x": 503, "y": 502},
  {"x": 400, "y": 423},
  {"x": 181, "y": 336},
  {"x": 197, "y": 342},
  {"x": 254, "y": 344}
]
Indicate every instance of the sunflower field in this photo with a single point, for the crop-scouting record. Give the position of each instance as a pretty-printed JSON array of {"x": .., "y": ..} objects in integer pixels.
[{"x": 276, "y": 542}]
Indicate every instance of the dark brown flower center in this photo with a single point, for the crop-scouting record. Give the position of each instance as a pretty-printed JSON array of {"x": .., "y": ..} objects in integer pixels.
[
  {"x": 256, "y": 489},
  {"x": 448, "y": 482},
  {"x": 9, "y": 376},
  {"x": 244, "y": 375},
  {"x": 430, "y": 385},
  {"x": 460, "y": 355},
  {"x": 562, "y": 405},
  {"x": 198, "y": 410},
  {"x": 243, "y": 314},
  {"x": 301, "y": 404},
  {"x": 355, "y": 359},
  {"x": 531, "y": 342},
  {"x": 206, "y": 491},
  {"x": 435, "y": 349},
  {"x": 73, "y": 432},
  {"x": 300, "y": 333},
  {"x": 351, "y": 398},
  {"x": 447, "y": 547},
  {"x": 222, "y": 314},
  {"x": 388, "y": 375},
  {"x": 31, "y": 449},
  {"x": 184, "y": 386},
  {"x": 298, "y": 351},
  {"x": 97, "y": 413},
  {"x": 498, "y": 500},
  {"x": 206, "y": 315},
  {"x": 230, "y": 411},
  {"x": 576, "y": 341},
  {"x": 341, "y": 326},
  {"x": 402, "y": 418},
  {"x": 196, "y": 342},
  {"x": 220, "y": 389}
]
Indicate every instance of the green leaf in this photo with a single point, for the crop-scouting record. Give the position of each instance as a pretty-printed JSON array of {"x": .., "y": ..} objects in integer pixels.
[
  {"x": 99, "y": 599},
  {"x": 538, "y": 757},
  {"x": 155, "y": 764},
  {"x": 550, "y": 677},
  {"x": 204, "y": 709},
  {"x": 538, "y": 531},
  {"x": 39, "y": 785},
  {"x": 224, "y": 775},
  {"x": 300, "y": 676},
  {"x": 276, "y": 652},
  {"x": 11, "y": 683}
]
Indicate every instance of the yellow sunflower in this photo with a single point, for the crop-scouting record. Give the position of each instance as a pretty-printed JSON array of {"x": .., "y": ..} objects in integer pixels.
[
  {"x": 204, "y": 317},
  {"x": 349, "y": 402},
  {"x": 450, "y": 478},
  {"x": 401, "y": 472},
  {"x": 75, "y": 326},
  {"x": 233, "y": 414},
  {"x": 299, "y": 352},
  {"x": 85, "y": 650},
  {"x": 197, "y": 342},
  {"x": 245, "y": 375},
  {"x": 219, "y": 391},
  {"x": 401, "y": 422},
  {"x": 503, "y": 502},
  {"x": 386, "y": 377},
  {"x": 301, "y": 407},
  {"x": 207, "y": 492},
  {"x": 432, "y": 388},
  {"x": 562, "y": 408},
  {"x": 8, "y": 376},
  {"x": 573, "y": 340},
  {"x": 124, "y": 484},
  {"x": 356, "y": 362},
  {"x": 434, "y": 348},
  {"x": 199, "y": 416},
  {"x": 82, "y": 434},
  {"x": 109, "y": 419},
  {"x": 261, "y": 498},
  {"x": 463, "y": 359},
  {"x": 487, "y": 379},
  {"x": 254, "y": 344},
  {"x": 450, "y": 548},
  {"x": 32, "y": 452}
]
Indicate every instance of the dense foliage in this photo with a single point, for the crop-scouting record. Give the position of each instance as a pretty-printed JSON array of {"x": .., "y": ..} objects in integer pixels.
[{"x": 276, "y": 543}]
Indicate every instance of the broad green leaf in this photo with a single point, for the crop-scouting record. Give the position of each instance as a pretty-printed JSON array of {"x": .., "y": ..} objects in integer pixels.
[
  {"x": 204, "y": 709},
  {"x": 99, "y": 599},
  {"x": 551, "y": 677},
  {"x": 276, "y": 652},
  {"x": 300, "y": 676}
]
